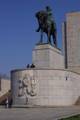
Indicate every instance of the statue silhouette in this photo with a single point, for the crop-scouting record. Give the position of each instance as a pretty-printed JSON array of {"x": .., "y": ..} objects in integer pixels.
[{"x": 47, "y": 25}]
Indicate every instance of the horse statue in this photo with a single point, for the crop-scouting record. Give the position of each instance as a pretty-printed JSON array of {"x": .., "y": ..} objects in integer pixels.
[{"x": 47, "y": 25}]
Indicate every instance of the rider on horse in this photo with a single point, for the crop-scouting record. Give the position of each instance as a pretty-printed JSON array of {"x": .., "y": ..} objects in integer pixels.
[
  {"x": 49, "y": 13},
  {"x": 47, "y": 25}
]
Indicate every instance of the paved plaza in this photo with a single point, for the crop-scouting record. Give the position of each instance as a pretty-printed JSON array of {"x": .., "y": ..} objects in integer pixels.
[{"x": 37, "y": 113}]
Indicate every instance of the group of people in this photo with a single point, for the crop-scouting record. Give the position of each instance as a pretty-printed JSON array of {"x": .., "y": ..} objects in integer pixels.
[{"x": 30, "y": 66}]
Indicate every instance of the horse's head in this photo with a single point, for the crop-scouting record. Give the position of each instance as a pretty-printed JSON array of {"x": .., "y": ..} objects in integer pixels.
[
  {"x": 41, "y": 16},
  {"x": 37, "y": 15}
]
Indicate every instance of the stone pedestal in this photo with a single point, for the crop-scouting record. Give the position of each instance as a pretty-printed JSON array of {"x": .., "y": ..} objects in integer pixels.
[
  {"x": 48, "y": 84},
  {"x": 47, "y": 56}
]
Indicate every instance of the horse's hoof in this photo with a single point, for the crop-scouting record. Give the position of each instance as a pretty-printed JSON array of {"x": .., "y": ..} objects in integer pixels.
[{"x": 37, "y": 30}]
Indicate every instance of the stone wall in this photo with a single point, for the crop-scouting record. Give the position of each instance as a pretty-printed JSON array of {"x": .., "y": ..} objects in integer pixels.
[
  {"x": 52, "y": 87},
  {"x": 5, "y": 86},
  {"x": 71, "y": 41}
]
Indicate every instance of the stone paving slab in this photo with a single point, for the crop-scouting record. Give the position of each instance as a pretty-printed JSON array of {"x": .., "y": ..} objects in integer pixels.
[{"x": 44, "y": 113}]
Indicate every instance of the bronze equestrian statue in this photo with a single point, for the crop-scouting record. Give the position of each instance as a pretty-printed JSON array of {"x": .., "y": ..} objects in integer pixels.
[{"x": 47, "y": 25}]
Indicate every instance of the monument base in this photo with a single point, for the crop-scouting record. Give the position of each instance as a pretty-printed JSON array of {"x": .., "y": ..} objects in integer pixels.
[
  {"x": 53, "y": 87},
  {"x": 48, "y": 84},
  {"x": 47, "y": 56}
]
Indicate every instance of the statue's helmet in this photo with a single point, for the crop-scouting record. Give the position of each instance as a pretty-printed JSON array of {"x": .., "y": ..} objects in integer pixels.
[{"x": 48, "y": 8}]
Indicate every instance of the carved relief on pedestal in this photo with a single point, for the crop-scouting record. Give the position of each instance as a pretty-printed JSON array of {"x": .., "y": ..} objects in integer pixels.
[{"x": 27, "y": 86}]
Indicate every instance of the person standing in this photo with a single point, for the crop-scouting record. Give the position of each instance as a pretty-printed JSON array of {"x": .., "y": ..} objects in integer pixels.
[{"x": 7, "y": 103}]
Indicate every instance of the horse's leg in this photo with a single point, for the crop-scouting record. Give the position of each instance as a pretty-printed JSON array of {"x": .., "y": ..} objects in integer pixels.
[
  {"x": 54, "y": 38},
  {"x": 38, "y": 29},
  {"x": 49, "y": 36},
  {"x": 53, "y": 30},
  {"x": 41, "y": 39}
]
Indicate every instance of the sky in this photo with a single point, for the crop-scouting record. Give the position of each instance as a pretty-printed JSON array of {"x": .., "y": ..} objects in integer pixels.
[{"x": 18, "y": 25}]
